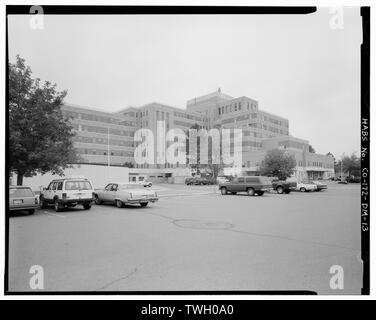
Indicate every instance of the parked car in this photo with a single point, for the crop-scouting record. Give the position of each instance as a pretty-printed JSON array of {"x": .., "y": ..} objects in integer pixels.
[
  {"x": 353, "y": 179},
  {"x": 140, "y": 180},
  {"x": 67, "y": 192},
  {"x": 306, "y": 186},
  {"x": 250, "y": 184},
  {"x": 222, "y": 179},
  {"x": 121, "y": 193},
  {"x": 320, "y": 186},
  {"x": 282, "y": 186},
  {"x": 190, "y": 181},
  {"x": 199, "y": 181},
  {"x": 22, "y": 199}
]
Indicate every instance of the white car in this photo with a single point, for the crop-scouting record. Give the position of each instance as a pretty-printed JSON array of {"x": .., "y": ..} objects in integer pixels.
[
  {"x": 140, "y": 180},
  {"x": 222, "y": 179},
  {"x": 305, "y": 186},
  {"x": 67, "y": 192},
  {"x": 121, "y": 193}
]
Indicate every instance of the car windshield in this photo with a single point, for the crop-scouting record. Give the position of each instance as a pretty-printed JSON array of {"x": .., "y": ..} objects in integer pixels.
[
  {"x": 77, "y": 185},
  {"x": 20, "y": 192},
  {"x": 129, "y": 186}
]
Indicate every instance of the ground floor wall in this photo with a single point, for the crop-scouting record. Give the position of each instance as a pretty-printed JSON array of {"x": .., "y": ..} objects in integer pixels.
[{"x": 100, "y": 175}]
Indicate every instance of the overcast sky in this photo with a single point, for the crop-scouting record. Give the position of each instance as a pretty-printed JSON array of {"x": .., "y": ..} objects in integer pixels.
[{"x": 296, "y": 66}]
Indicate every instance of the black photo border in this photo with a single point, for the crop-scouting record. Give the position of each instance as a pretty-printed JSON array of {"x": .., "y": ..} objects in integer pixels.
[{"x": 196, "y": 10}]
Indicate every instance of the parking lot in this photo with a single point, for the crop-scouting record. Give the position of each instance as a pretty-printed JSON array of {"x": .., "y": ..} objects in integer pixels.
[{"x": 193, "y": 238}]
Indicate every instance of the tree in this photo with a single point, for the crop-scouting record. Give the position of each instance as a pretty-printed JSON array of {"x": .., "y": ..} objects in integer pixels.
[
  {"x": 194, "y": 166},
  {"x": 213, "y": 169},
  {"x": 278, "y": 163},
  {"x": 311, "y": 149},
  {"x": 351, "y": 164},
  {"x": 40, "y": 138}
]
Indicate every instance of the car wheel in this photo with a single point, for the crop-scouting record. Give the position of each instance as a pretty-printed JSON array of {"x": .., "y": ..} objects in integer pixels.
[
  {"x": 303, "y": 189},
  {"x": 223, "y": 191},
  {"x": 42, "y": 203},
  {"x": 279, "y": 190},
  {"x": 87, "y": 206},
  {"x": 31, "y": 211},
  {"x": 97, "y": 200},
  {"x": 144, "y": 204},
  {"x": 251, "y": 191},
  {"x": 260, "y": 193},
  {"x": 119, "y": 204},
  {"x": 57, "y": 205}
]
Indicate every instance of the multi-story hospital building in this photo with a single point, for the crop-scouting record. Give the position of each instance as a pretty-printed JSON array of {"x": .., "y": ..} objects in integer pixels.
[{"x": 108, "y": 138}]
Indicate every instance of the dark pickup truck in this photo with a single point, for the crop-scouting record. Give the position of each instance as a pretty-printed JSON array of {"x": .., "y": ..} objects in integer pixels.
[
  {"x": 283, "y": 186},
  {"x": 250, "y": 184}
]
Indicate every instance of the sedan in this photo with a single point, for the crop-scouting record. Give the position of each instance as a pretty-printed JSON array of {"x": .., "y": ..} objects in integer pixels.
[
  {"x": 305, "y": 186},
  {"x": 22, "y": 199},
  {"x": 320, "y": 185},
  {"x": 125, "y": 193}
]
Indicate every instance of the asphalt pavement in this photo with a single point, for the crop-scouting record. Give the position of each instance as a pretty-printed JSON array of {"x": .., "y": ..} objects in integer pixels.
[{"x": 194, "y": 239}]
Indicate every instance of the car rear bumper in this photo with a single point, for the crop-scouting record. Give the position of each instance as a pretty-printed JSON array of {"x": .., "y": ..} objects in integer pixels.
[
  {"x": 140, "y": 200},
  {"x": 75, "y": 201},
  {"x": 25, "y": 207}
]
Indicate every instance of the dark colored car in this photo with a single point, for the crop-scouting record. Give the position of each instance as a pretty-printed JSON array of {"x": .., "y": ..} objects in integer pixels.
[
  {"x": 353, "y": 179},
  {"x": 22, "y": 199},
  {"x": 250, "y": 184},
  {"x": 190, "y": 181},
  {"x": 199, "y": 181},
  {"x": 283, "y": 186}
]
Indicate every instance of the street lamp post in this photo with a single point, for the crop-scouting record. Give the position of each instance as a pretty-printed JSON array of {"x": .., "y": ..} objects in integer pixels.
[{"x": 108, "y": 146}]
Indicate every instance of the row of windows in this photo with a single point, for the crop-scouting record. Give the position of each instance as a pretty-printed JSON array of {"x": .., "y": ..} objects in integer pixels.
[
  {"x": 158, "y": 166},
  {"x": 237, "y": 107},
  {"x": 266, "y": 128},
  {"x": 247, "y": 133},
  {"x": 103, "y": 130},
  {"x": 186, "y": 116},
  {"x": 183, "y": 124},
  {"x": 292, "y": 144},
  {"x": 319, "y": 164},
  {"x": 142, "y": 114},
  {"x": 104, "y": 152},
  {"x": 161, "y": 115},
  {"x": 251, "y": 144},
  {"x": 103, "y": 141},
  {"x": 93, "y": 117}
]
